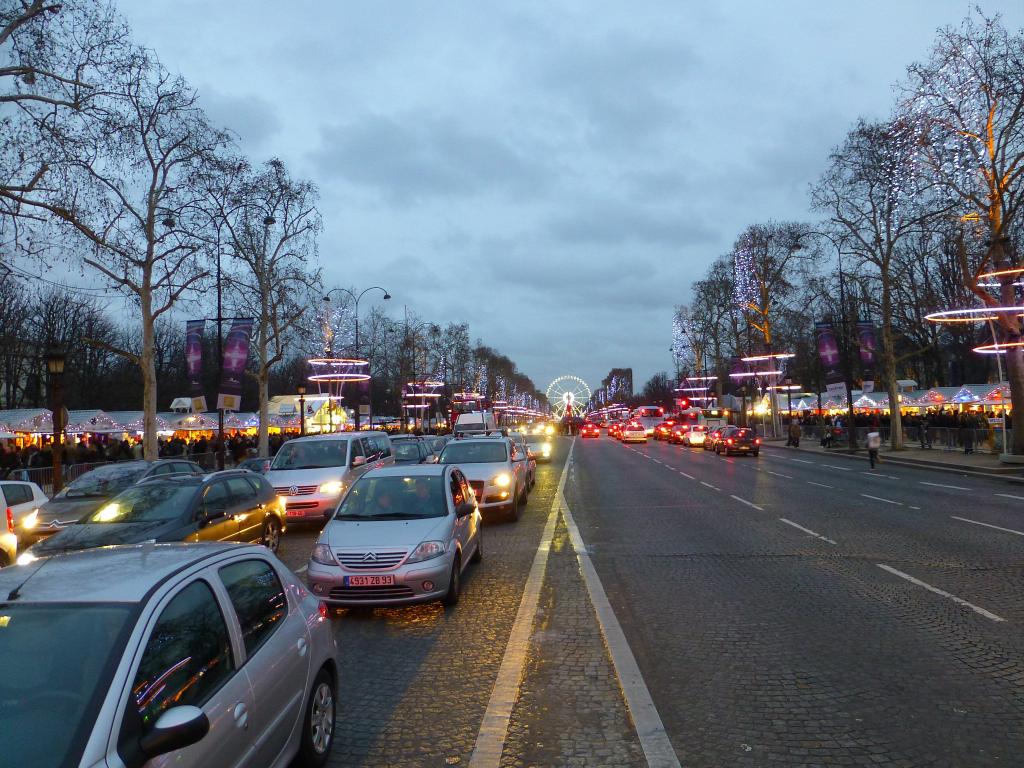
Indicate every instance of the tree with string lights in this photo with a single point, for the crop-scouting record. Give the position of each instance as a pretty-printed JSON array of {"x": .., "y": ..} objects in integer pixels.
[{"x": 964, "y": 112}]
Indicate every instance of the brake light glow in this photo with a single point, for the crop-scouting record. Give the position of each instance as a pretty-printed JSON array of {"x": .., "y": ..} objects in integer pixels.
[
  {"x": 757, "y": 441},
  {"x": 10, "y": 520},
  {"x": 728, "y": 441}
]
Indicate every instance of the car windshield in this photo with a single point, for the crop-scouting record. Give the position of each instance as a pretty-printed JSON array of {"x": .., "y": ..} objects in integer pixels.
[
  {"x": 311, "y": 454},
  {"x": 145, "y": 503},
  {"x": 474, "y": 453},
  {"x": 406, "y": 450},
  {"x": 48, "y": 680},
  {"x": 394, "y": 497},
  {"x": 105, "y": 481}
]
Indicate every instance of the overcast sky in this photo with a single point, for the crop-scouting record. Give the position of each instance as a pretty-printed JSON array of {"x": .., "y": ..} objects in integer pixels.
[{"x": 555, "y": 173}]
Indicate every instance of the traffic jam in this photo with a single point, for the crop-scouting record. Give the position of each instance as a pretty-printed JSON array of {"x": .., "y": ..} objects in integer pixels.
[{"x": 200, "y": 608}]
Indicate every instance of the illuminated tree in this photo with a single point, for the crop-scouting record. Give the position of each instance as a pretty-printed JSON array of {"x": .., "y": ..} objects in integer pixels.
[{"x": 964, "y": 109}]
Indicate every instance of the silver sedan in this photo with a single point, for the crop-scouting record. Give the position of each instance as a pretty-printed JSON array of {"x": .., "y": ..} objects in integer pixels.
[{"x": 164, "y": 654}]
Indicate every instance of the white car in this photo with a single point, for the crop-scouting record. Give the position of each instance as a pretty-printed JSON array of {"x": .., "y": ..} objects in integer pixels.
[
  {"x": 634, "y": 432},
  {"x": 494, "y": 471},
  {"x": 312, "y": 473},
  {"x": 525, "y": 455},
  {"x": 21, "y": 500},
  {"x": 401, "y": 535}
]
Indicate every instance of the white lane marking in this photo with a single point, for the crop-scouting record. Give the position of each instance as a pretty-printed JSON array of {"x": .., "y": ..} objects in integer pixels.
[
  {"x": 988, "y": 525},
  {"x": 878, "y": 474},
  {"x": 709, "y": 485},
  {"x": 820, "y": 485},
  {"x": 841, "y": 469},
  {"x": 802, "y": 461},
  {"x": 937, "y": 591},
  {"x": 915, "y": 508},
  {"x": 490, "y": 740},
  {"x": 649, "y": 728},
  {"x": 879, "y": 498},
  {"x": 940, "y": 485},
  {"x": 303, "y": 569},
  {"x": 691, "y": 477},
  {"x": 1010, "y": 496},
  {"x": 805, "y": 530},
  {"x": 779, "y": 474},
  {"x": 748, "y": 503}
]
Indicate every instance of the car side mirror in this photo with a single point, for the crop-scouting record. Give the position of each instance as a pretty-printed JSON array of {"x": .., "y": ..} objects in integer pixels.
[
  {"x": 176, "y": 728},
  {"x": 465, "y": 509},
  {"x": 358, "y": 461},
  {"x": 431, "y": 459}
]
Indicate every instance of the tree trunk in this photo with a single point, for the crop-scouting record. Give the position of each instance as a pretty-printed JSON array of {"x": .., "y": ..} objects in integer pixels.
[
  {"x": 263, "y": 434},
  {"x": 888, "y": 366},
  {"x": 1015, "y": 377},
  {"x": 147, "y": 364}
]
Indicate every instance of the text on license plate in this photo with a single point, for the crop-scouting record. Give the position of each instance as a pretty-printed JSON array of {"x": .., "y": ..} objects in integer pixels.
[{"x": 370, "y": 581}]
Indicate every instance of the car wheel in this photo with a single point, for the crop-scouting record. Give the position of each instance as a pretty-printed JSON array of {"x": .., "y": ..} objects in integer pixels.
[
  {"x": 512, "y": 515},
  {"x": 271, "y": 534},
  {"x": 318, "y": 727},
  {"x": 451, "y": 597},
  {"x": 521, "y": 500},
  {"x": 478, "y": 553}
]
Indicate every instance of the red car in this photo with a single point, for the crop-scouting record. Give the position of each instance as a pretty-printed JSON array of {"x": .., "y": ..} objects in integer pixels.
[
  {"x": 615, "y": 430},
  {"x": 590, "y": 430}
]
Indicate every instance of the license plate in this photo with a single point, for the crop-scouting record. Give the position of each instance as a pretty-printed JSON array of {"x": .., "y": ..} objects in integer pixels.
[{"x": 370, "y": 581}]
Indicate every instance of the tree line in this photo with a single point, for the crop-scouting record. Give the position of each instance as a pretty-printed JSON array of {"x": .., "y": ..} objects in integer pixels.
[
  {"x": 110, "y": 170},
  {"x": 913, "y": 215}
]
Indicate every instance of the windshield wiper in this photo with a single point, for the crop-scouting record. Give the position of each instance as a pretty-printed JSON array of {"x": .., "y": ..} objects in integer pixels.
[
  {"x": 392, "y": 516},
  {"x": 84, "y": 494}
]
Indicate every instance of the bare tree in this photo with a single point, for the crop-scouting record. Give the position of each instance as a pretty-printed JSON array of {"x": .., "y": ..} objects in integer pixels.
[
  {"x": 964, "y": 108},
  {"x": 271, "y": 223},
  {"x": 124, "y": 184}
]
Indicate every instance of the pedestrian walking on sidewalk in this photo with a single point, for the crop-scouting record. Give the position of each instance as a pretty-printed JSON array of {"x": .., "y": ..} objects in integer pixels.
[
  {"x": 794, "y": 434},
  {"x": 874, "y": 443},
  {"x": 926, "y": 438},
  {"x": 967, "y": 438}
]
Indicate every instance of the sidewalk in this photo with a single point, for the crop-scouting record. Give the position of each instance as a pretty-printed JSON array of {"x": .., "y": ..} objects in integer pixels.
[{"x": 936, "y": 458}]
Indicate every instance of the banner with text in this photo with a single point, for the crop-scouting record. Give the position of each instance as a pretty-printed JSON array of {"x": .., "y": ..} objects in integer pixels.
[
  {"x": 828, "y": 351},
  {"x": 194, "y": 363},
  {"x": 236, "y": 355},
  {"x": 866, "y": 339}
]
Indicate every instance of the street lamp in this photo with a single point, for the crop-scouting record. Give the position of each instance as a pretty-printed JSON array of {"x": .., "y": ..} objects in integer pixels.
[
  {"x": 55, "y": 367},
  {"x": 302, "y": 410},
  {"x": 356, "y": 298}
]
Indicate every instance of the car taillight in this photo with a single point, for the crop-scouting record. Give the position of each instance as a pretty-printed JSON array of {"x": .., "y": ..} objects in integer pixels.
[
  {"x": 728, "y": 441},
  {"x": 10, "y": 520},
  {"x": 757, "y": 441},
  {"x": 324, "y": 611}
]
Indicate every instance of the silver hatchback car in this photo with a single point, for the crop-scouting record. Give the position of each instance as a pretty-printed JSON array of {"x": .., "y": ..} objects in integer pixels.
[
  {"x": 164, "y": 654},
  {"x": 401, "y": 535}
]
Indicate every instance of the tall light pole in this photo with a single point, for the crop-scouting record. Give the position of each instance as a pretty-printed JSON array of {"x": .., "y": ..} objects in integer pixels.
[
  {"x": 55, "y": 367},
  {"x": 356, "y": 298},
  {"x": 302, "y": 410}
]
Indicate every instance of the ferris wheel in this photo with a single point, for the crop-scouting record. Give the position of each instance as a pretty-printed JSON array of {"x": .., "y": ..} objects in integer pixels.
[{"x": 568, "y": 395}]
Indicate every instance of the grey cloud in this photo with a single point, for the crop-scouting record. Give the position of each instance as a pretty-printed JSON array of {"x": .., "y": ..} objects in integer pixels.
[
  {"x": 615, "y": 223},
  {"x": 253, "y": 118},
  {"x": 417, "y": 156}
]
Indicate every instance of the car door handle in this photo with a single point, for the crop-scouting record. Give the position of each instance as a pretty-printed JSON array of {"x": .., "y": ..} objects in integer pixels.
[
  {"x": 242, "y": 715},
  {"x": 301, "y": 645}
]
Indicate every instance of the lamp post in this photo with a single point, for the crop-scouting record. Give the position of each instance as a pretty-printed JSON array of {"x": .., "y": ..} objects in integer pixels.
[
  {"x": 356, "y": 298},
  {"x": 55, "y": 367},
  {"x": 302, "y": 410}
]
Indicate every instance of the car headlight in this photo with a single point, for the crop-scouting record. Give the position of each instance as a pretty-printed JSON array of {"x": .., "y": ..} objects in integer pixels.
[
  {"x": 546, "y": 449},
  {"x": 322, "y": 554},
  {"x": 29, "y": 520},
  {"x": 333, "y": 488},
  {"x": 502, "y": 481},
  {"x": 549, "y": 430},
  {"x": 428, "y": 550},
  {"x": 26, "y": 558}
]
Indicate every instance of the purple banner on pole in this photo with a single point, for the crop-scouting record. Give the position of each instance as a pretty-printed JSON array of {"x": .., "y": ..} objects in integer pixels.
[
  {"x": 866, "y": 339},
  {"x": 236, "y": 355},
  {"x": 194, "y": 363},
  {"x": 828, "y": 351}
]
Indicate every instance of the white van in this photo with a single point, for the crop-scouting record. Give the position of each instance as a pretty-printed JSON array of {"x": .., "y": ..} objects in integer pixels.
[
  {"x": 312, "y": 473},
  {"x": 475, "y": 422}
]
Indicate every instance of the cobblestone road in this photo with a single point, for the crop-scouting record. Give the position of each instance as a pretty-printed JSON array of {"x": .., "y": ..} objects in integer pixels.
[{"x": 784, "y": 610}]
